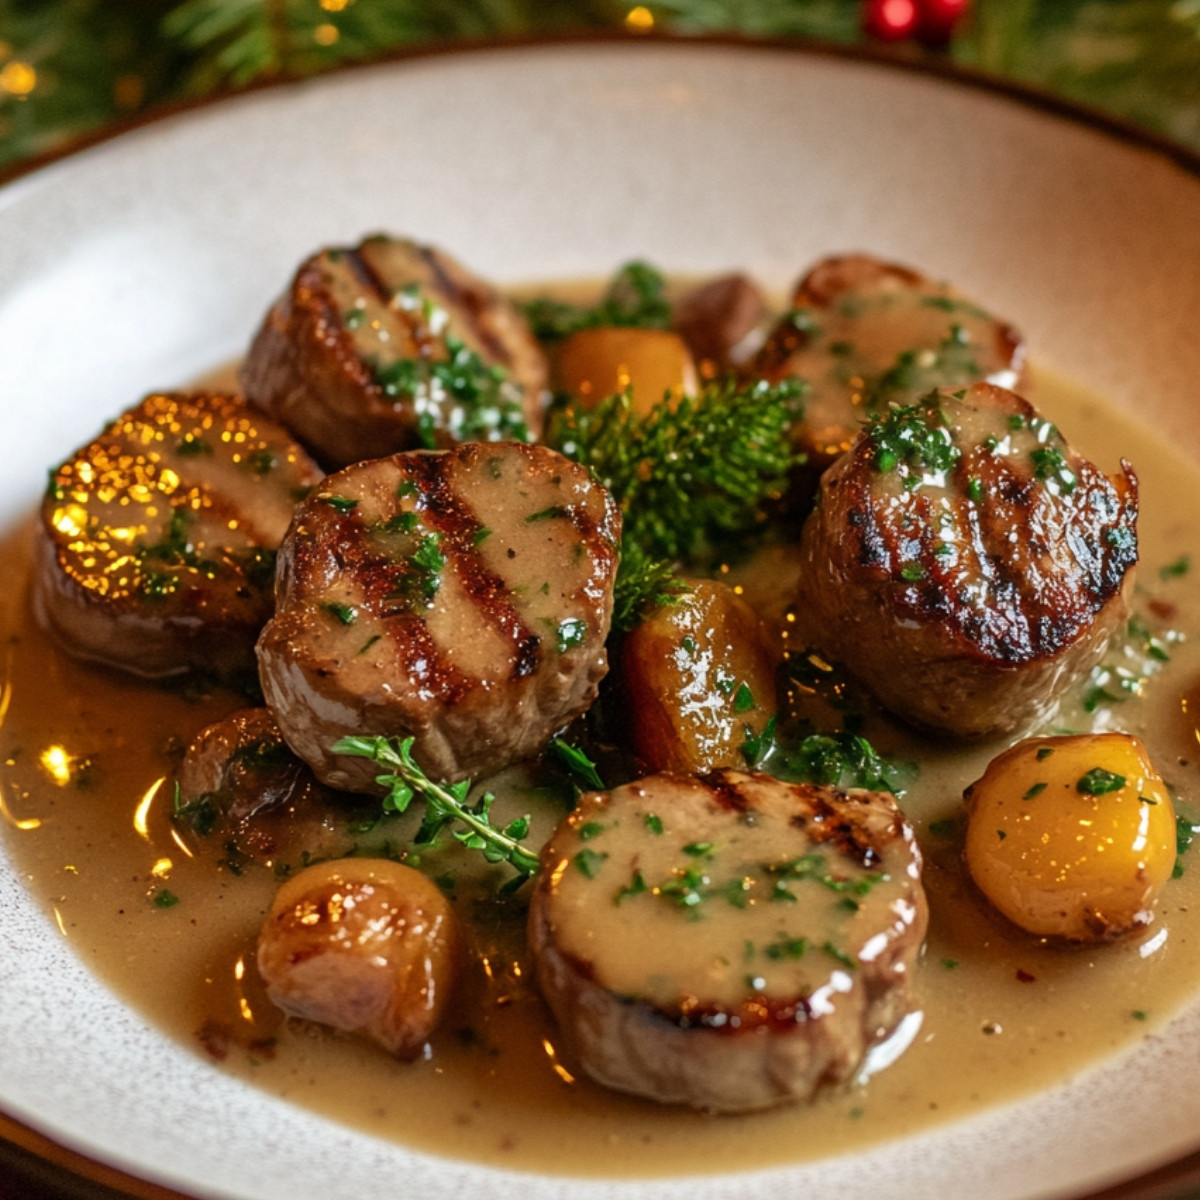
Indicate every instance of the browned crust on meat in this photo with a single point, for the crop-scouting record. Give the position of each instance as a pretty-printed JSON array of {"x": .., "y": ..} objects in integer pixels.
[
  {"x": 397, "y": 669},
  {"x": 982, "y": 639},
  {"x": 766, "y": 1047},
  {"x": 158, "y": 560},
  {"x": 838, "y": 277},
  {"x": 305, "y": 368}
]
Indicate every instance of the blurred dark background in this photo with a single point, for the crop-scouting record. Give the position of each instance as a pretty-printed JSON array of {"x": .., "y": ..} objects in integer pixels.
[{"x": 69, "y": 68}]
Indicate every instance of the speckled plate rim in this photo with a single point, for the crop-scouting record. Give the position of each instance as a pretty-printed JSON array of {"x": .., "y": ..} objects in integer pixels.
[{"x": 1077, "y": 228}]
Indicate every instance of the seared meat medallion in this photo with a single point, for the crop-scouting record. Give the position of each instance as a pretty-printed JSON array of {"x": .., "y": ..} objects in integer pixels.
[
  {"x": 240, "y": 784},
  {"x": 157, "y": 543},
  {"x": 460, "y": 597},
  {"x": 965, "y": 563},
  {"x": 727, "y": 941},
  {"x": 392, "y": 346},
  {"x": 866, "y": 334}
]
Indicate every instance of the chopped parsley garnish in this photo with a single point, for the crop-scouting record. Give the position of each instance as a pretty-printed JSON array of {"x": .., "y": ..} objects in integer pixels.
[
  {"x": 344, "y": 612},
  {"x": 460, "y": 394},
  {"x": 201, "y": 814},
  {"x": 914, "y": 436},
  {"x": 581, "y": 769},
  {"x": 635, "y": 298},
  {"x": 1099, "y": 782},
  {"x": 1050, "y": 465},
  {"x": 404, "y": 522},
  {"x": 588, "y": 862},
  {"x": 635, "y": 887},
  {"x": 844, "y": 759},
  {"x": 686, "y": 888},
  {"x": 342, "y": 504},
  {"x": 192, "y": 445},
  {"x": 840, "y": 956},
  {"x": 549, "y": 514},
  {"x": 571, "y": 633},
  {"x": 786, "y": 948}
]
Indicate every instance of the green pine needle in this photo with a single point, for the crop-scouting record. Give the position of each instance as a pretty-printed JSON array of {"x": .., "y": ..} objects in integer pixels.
[
  {"x": 642, "y": 585},
  {"x": 692, "y": 475}
]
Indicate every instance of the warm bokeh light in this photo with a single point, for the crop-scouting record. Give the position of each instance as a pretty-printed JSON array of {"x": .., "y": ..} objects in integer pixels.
[
  {"x": 639, "y": 19},
  {"x": 18, "y": 79}
]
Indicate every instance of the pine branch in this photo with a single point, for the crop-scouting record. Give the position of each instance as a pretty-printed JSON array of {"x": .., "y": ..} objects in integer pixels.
[{"x": 688, "y": 476}]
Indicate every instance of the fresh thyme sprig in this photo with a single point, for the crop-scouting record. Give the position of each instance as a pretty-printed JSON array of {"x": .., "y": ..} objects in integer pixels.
[
  {"x": 692, "y": 474},
  {"x": 445, "y": 804}
]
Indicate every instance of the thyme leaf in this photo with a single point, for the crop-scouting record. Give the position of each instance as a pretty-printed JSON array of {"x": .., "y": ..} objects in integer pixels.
[{"x": 445, "y": 804}]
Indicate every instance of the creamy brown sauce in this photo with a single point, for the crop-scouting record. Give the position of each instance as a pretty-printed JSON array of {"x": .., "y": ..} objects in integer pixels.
[{"x": 83, "y": 751}]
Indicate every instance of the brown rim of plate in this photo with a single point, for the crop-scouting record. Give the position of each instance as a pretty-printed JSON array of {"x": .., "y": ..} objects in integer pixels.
[
  {"x": 35, "y": 1167},
  {"x": 901, "y": 58},
  {"x": 35, "y": 1161}
]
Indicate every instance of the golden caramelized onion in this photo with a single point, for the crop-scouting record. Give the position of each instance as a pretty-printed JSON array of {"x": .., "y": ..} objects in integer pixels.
[
  {"x": 1072, "y": 837},
  {"x": 698, "y": 679},
  {"x": 365, "y": 945},
  {"x": 593, "y": 364}
]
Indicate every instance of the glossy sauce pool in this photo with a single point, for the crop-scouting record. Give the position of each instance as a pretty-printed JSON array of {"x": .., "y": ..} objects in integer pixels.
[{"x": 83, "y": 751}]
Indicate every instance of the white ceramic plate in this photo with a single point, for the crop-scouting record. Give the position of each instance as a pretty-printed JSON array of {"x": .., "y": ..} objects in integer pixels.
[{"x": 143, "y": 261}]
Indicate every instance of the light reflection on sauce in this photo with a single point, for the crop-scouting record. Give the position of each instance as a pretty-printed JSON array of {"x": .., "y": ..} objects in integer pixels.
[{"x": 1000, "y": 1013}]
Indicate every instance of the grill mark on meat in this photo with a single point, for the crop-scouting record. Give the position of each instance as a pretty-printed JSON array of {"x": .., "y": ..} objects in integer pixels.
[
  {"x": 468, "y": 298},
  {"x": 725, "y": 792},
  {"x": 409, "y": 327},
  {"x": 381, "y": 583},
  {"x": 366, "y": 274},
  {"x": 489, "y": 592},
  {"x": 1026, "y": 620},
  {"x": 823, "y": 815},
  {"x": 827, "y": 822},
  {"x": 313, "y": 294}
]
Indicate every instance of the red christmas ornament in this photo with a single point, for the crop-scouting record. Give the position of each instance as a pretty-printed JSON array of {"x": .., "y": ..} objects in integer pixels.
[
  {"x": 931, "y": 22},
  {"x": 889, "y": 20}
]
